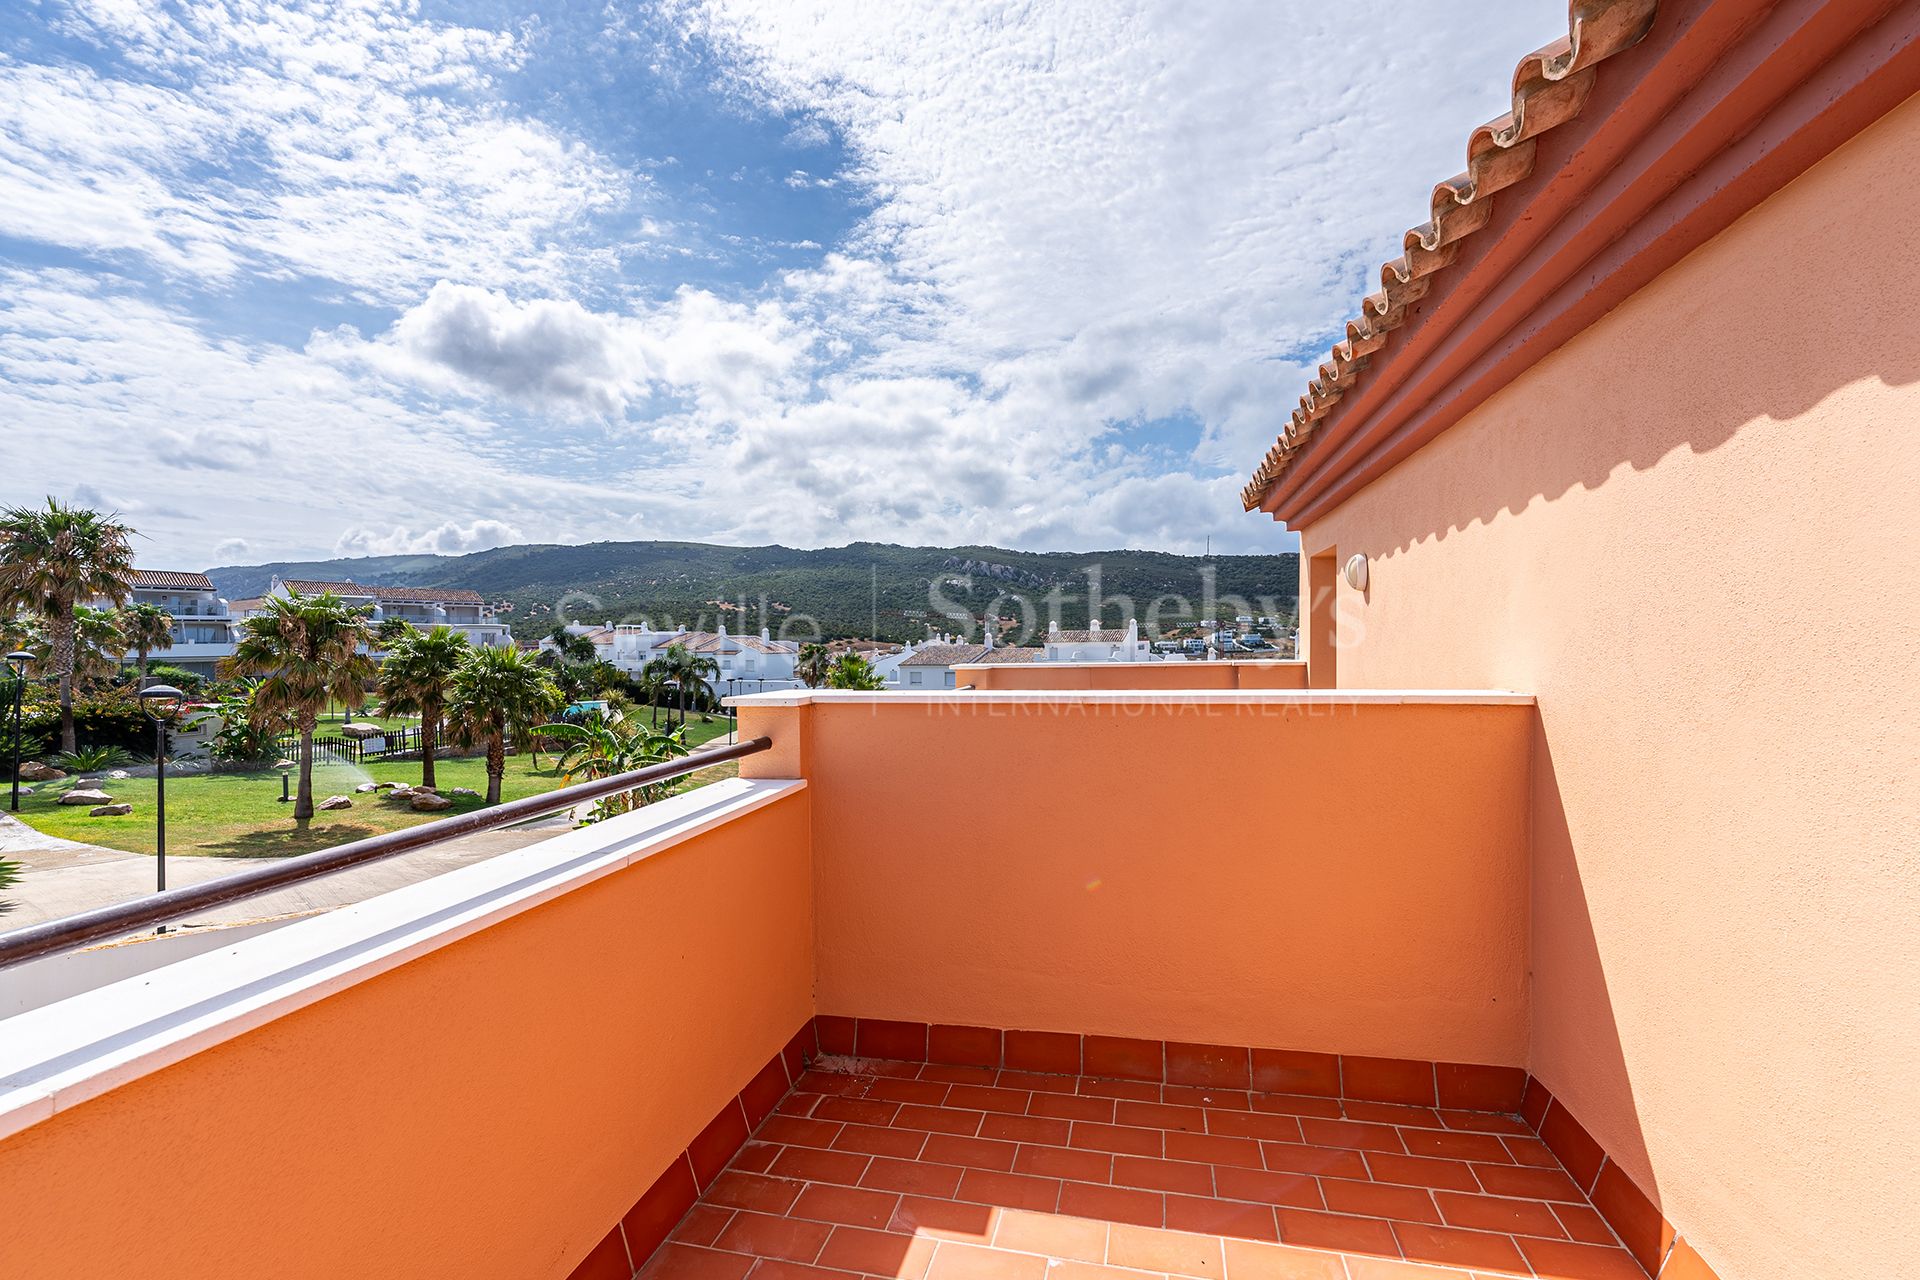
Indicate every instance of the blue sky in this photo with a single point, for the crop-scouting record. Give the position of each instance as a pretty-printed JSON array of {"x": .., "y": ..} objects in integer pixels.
[{"x": 289, "y": 280}]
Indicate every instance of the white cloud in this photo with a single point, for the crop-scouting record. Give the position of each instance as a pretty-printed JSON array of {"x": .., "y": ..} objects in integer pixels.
[
  {"x": 449, "y": 539},
  {"x": 231, "y": 550}
]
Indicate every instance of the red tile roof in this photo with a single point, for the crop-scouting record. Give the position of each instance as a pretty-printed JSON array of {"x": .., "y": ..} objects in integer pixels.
[
  {"x": 945, "y": 655},
  {"x": 1549, "y": 87},
  {"x": 1112, "y": 636},
  {"x": 399, "y": 595},
  {"x": 170, "y": 580}
]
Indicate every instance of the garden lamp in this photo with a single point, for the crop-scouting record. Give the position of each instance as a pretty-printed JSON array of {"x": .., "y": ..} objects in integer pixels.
[
  {"x": 161, "y": 702},
  {"x": 17, "y": 663}
]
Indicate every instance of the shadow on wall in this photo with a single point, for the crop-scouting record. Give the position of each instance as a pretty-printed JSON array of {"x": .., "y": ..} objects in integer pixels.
[
  {"x": 1736, "y": 335},
  {"x": 1564, "y": 955}
]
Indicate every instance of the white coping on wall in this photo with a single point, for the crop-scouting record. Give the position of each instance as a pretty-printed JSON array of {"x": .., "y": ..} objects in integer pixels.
[
  {"x": 1135, "y": 697},
  {"x": 63, "y": 1054}
]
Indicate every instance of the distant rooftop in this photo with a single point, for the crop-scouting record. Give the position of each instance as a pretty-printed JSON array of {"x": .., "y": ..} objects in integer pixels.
[{"x": 170, "y": 580}]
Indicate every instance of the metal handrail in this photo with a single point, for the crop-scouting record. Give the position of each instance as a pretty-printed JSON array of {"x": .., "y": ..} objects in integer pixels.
[{"x": 73, "y": 931}]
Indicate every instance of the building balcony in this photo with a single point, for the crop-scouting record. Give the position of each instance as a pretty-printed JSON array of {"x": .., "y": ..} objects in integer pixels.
[{"x": 1089, "y": 985}]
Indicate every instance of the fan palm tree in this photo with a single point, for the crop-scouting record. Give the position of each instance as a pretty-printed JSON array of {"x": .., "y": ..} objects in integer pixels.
[
  {"x": 415, "y": 679},
  {"x": 50, "y": 561},
  {"x": 854, "y": 672},
  {"x": 305, "y": 651},
  {"x": 568, "y": 647},
  {"x": 815, "y": 662},
  {"x": 692, "y": 672},
  {"x": 98, "y": 643},
  {"x": 148, "y": 629},
  {"x": 499, "y": 692},
  {"x": 598, "y": 747}
]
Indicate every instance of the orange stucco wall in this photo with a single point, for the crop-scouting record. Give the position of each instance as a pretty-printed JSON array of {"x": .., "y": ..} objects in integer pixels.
[
  {"x": 1347, "y": 879},
  {"x": 1136, "y": 675},
  {"x": 483, "y": 1111},
  {"x": 1693, "y": 533}
]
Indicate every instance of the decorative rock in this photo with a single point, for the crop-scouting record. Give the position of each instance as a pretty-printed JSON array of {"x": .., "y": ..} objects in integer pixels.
[
  {"x": 427, "y": 802},
  {"x": 335, "y": 802},
  {"x": 463, "y": 791},
  {"x": 34, "y": 771},
  {"x": 118, "y": 775},
  {"x": 109, "y": 810},
  {"x": 26, "y": 791},
  {"x": 399, "y": 793},
  {"x": 385, "y": 786},
  {"x": 86, "y": 795},
  {"x": 365, "y": 787}
]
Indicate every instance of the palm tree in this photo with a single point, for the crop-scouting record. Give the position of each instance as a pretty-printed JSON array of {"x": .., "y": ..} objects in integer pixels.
[
  {"x": 598, "y": 747},
  {"x": 652, "y": 683},
  {"x": 98, "y": 642},
  {"x": 692, "y": 672},
  {"x": 815, "y": 661},
  {"x": 305, "y": 651},
  {"x": 148, "y": 629},
  {"x": 51, "y": 561},
  {"x": 854, "y": 672},
  {"x": 499, "y": 692},
  {"x": 568, "y": 646},
  {"x": 414, "y": 681}
]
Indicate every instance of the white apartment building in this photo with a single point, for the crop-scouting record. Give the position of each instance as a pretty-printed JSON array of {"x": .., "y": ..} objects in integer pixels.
[
  {"x": 202, "y": 622},
  {"x": 748, "y": 663},
  {"x": 425, "y": 607},
  {"x": 1113, "y": 645}
]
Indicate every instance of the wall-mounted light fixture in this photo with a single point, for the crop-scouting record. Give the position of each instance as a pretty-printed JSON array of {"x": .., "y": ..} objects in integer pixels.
[{"x": 1356, "y": 572}]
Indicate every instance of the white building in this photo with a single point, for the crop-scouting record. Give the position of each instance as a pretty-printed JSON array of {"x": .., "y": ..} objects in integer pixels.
[
  {"x": 202, "y": 622},
  {"x": 748, "y": 664},
  {"x": 425, "y": 607},
  {"x": 1098, "y": 645}
]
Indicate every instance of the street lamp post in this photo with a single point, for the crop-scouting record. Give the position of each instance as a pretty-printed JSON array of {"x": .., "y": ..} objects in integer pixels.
[
  {"x": 17, "y": 663},
  {"x": 162, "y": 703}
]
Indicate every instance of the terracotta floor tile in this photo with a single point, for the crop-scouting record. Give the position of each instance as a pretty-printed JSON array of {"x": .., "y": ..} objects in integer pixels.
[
  {"x": 1212, "y": 1217},
  {"x": 909, "y": 1171},
  {"x": 902, "y": 1144},
  {"x": 914, "y": 1177},
  {"x": 1009, "y": 1190},
  {"x": 1153, "y": 1174},
  {"x": 778, "y": 1269},
  {"x": 1159, "y": 1115},
  {"x": 1496, "y": 1213},
  {"x": 1351, "y": 1133},
  {"x": 878, "y": 1253},
  {"x": 1250, "y": 1260},
  {"x": 1332, "y": 1162},
  {"x": 1211, "y": 1148},
  {"x": 767, "y": 1236},
  {"x": 703, "y": 1224},
  {"x": 1113, "y": 1204},
  {"x": 843, "y": 1167},
  {"x": 1116, "y": 1138},
  {"x": 1174, "y": 1253},
  {"x": 973, "y": 1153},
  {"x": 1454, "y": 1248},
  {"x": 690, "y": 1262},
  {"x": 1419, "y": 1171},
  {"x": 1254, "y": 1124},
  {"x": 1297, "y": 1190},
  {"x": 1380, "y": 1200},
  {"x": 1336, "y": 1231},
  {"x": 969, "y": 1262},
  {"x": 1069, "y": 1239},
  {"x": 755, "y": 1191},
  {"x": 943, "y": 1219},
  {"x": 1035, "y": 1129},
  {"x": 1059, "y": 1162},
  {"x": 1447, "y": 1144},
  {"x": 849, "y": 1206},
  {"x": 1071, "y": 1107},
  {"x": 1527, "y": 1182},
  {"x": 1564, "y": 1260}
]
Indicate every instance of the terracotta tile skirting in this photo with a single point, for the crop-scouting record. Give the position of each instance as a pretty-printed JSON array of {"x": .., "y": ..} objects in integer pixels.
[{"x": 1388, "y": 1091}]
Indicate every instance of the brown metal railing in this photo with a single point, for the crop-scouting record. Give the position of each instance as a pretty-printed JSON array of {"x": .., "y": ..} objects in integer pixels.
[{"x": 73, "y": 931}]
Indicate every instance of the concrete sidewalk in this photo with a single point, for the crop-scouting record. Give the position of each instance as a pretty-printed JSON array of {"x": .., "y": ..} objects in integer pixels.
[{"x": 62, "y": 877}]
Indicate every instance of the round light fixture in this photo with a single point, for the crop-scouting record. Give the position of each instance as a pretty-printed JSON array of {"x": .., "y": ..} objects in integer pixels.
[{"x": 1356, "y": 572}]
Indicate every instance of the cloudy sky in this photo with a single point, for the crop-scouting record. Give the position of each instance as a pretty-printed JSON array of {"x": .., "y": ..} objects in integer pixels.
[{"x": 287, "y": 279}]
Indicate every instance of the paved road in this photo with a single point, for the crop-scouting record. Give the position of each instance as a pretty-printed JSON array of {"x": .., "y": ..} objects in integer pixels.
[{"x": 62, "y": 877}]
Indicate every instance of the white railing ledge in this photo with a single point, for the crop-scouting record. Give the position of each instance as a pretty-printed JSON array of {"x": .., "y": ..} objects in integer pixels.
[
  {"x": 63, "y": 1054},
  {"x": 1134, "y": 697}
]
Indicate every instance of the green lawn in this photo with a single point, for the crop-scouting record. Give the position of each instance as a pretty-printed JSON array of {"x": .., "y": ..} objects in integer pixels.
[{"x": 240, "y": 814}]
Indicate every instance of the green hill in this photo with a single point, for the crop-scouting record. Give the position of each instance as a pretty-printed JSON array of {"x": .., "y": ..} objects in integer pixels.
[{"x": 866, "y": 588}]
